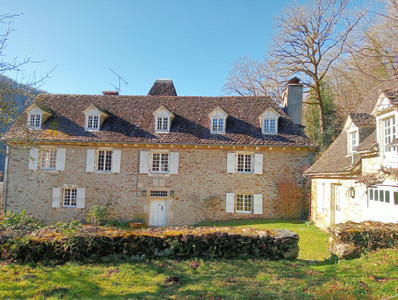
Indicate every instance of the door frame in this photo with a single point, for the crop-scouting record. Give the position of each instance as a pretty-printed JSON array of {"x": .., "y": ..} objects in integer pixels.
[{"x": 152, "y": 202}]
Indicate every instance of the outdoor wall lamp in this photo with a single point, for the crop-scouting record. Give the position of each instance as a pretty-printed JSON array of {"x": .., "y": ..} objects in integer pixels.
[
  {"x": 171, "y": 193},
  {"x": 143, "y": 193},
  {"x": 351, "y": 192}
]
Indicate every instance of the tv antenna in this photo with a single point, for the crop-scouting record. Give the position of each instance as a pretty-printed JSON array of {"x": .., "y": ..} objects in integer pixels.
[{"x": 120, "y": 80}]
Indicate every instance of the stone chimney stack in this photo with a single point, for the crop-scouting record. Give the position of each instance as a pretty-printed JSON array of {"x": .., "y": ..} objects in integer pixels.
[{"x": 293, "y": 100}]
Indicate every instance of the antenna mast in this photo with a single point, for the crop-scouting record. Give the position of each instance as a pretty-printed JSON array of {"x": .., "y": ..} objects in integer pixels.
[{"x": 120, "y": 79}]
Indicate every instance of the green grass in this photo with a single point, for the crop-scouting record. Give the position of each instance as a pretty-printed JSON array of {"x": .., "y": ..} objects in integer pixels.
[
  {"x": 313, "y": 242},
  {"x": 373, "y": 276}
]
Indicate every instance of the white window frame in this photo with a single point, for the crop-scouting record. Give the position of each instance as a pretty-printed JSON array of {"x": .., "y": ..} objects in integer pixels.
[
  {"x": 245, "y": 162},
  {"x": 36, "y": 119},
  {"x": 93, "y": 122},
  {"x": 218, "y": 125},
  {"x": 242, "y": 201},
  {"x": 161, "y": 162},
  {"x": 104, "y": 160},
  {"x": 269, "y": 126},
  {"x": 69, "y": 194},
  {"x": 383, "y": 195},
  {"x": 160, "y": 124},
  {"x": 48, "y": 159},
  {"x": 392, "y": 134},
  {"x": 320, "y": 193}
]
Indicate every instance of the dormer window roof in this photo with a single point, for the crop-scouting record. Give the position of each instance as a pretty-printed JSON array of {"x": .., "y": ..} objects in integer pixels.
[
  {"x": 163, "y": 119},
  {"x": 37, "y": 115},
  {"x": 94, "y": 118},
  {"x": 269, "y": 121},
  {"x": 218, "y": 120}
]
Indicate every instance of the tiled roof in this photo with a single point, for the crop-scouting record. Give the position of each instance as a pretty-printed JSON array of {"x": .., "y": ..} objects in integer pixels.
[
  {"x": 335, "y": 158},
  {"x": 131, "y": 120},
  {"x": 362, "y": 119}
]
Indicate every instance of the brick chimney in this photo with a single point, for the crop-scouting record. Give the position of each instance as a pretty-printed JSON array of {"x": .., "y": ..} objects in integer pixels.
[
  {"x": 110, "y": 93},
  {"x": 293, "y": 100}
]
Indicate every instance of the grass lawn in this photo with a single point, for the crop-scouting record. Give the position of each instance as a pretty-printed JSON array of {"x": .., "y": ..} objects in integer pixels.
[{"x": 373, "y": 276}]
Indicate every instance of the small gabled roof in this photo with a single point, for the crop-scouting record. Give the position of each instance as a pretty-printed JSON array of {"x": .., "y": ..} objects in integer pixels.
[
  {"x": 217, "y": 111},
  {"x": 93, "y": 106},
  {"x": 166, "y": 112},
  {"x": 270, "y": 113},
  {"x": 44, "y": 109}
]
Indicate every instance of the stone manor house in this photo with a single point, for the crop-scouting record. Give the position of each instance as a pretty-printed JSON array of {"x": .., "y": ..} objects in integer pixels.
[{"x": 168, "y": 159}]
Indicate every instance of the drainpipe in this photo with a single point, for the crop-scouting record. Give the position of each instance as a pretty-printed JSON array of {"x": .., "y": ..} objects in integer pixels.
[{"x": 5, "y": 187}]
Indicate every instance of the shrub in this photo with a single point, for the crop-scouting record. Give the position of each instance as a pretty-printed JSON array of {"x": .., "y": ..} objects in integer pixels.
[
  {"x": 93, "y": 242},
  {"x": 20, "y": 222},
  {"x": 348, "y": 239},
  {"x": 97, "y": 214}
]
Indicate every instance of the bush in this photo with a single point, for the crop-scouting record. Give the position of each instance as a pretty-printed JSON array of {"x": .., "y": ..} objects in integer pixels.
[
  {"x": 97, "y": 214},
  {"x": 20, "y": 222},
  {"x": 93, "y": 242},
  {"x": 350, "y": 239}
]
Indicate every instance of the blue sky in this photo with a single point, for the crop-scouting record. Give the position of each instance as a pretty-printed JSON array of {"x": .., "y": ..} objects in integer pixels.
[{"x": 192, "y": 42}]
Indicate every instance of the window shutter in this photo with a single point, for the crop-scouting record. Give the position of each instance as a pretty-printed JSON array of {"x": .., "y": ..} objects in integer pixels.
[
  {"x": 116, "y": 157},
  {"x": 90, "y": 160},
  {"x": 33, "y": 157},
  {"x": 258, "y": 163},
  {"x": 80, "y": 197},
  {"x": 56, "y": 200},
  {"x": 231, "y": 162},
  {"x": 174, "y": 158},
  {"x": 60, "y": 159},
  {"x": 258, "y": 204},
  {"x": 229, "y": 202},
  {"x": 144, "y": 161}
]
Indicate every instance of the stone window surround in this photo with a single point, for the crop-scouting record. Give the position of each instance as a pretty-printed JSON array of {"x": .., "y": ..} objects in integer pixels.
[
  {"x": 243, "y": 165},
  {"x": 161, "y": 161},
  {"x": 69, "y": 195},
  {"x": 48, "y": 158}
]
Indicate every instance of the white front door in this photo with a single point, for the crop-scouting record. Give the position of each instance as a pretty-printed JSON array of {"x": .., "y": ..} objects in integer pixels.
[
  {"x": 338, "y": 215},
  {"x": 158, "y": 213}
]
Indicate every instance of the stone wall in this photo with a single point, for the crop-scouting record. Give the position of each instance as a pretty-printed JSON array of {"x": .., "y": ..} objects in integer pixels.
[
  {"x": 202, "y": 174},
  {"x": 1, "y": 197}
]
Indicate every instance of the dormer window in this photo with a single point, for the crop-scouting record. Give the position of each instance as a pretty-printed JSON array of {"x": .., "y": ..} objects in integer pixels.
[
  {"x": 162, "y": 124},
  {"x": 94, "y": 118},
  {"x": 93, "y": 122},
  {"x": 34, "y": 121},
  {"x": 163, "y": 119},
  {"x": 37, "y": 115},
  {"x": 353, "y": 140},
  {"x": 218, "y": 121},
  {"x": 269, "y": 121}
]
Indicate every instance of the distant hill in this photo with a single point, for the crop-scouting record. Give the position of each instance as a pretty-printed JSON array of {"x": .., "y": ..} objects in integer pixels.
[{"x": 21, "y": 96}]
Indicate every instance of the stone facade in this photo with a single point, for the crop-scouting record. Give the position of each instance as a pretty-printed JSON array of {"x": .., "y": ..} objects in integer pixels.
[{"x": 202, "y": 174}]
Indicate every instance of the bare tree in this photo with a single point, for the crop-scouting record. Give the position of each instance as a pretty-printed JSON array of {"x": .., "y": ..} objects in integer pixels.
[
  {"x": 254, "y": 78},
  {"x": 7, "y": 88},
  {"x": 310, "y": 40}
]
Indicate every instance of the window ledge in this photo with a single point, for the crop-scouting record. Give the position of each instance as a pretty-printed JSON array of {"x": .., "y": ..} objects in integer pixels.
[{"x": 243, "y": 212}]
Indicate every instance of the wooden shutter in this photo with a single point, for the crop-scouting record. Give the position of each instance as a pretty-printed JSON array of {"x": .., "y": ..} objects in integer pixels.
[
  {"x": 80, "y": 197},
  {"x": 116, "y": 158},
  {"x": 90, "y": 160},
  {"x": 144, "y": 161},
  {"x": 258, "y": 163},
  {"x": 258, "y": 204},
  {"x": 60, "y": 159},
  {"x": 174, "y": 158},
  {"x": 231, "y": 162},
  {"x": 56, "y": 200},
  {"x": 33, "y": 158},
  {"x": 229, "y": 202}
]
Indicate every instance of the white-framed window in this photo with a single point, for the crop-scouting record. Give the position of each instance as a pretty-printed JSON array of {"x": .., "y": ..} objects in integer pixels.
[
  {"x": 244, "y": 163},
  {"x": 104, "y": 162},
  {"x": 160, "y": 162},
  {"x": 389, "y": 133},
  {"x": 217, "y": 125},
  {"x": 244, "y": 203},
  {"x": 69, "y": 197},
  {"x": 354, "y": 140},
  {"x": 382, "y": 195},
  {"x": 34, "y": 121},
  {"x": 162, "y": 124},
  {"x": 269, "y": 126},
  {"x": 93, "y": 122},
  {"x": 48, "y": 159},
  {"x": 320, "y": 193},
  {"x": 337, "y": 197}
]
